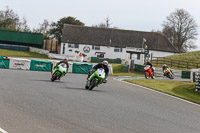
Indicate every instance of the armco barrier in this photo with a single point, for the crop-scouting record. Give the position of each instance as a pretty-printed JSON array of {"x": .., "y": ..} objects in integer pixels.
[
  {"x": 4, "y": 62},
  {"x": 19, "y": 63},
  {"x": 41, "y": 65},
  {"x": 82, "y": 68},
  {"x": 14, "y": 47}
]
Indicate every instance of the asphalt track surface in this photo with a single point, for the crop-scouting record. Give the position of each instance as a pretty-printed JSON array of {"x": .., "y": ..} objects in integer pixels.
[{"x": 31, "y": 103}]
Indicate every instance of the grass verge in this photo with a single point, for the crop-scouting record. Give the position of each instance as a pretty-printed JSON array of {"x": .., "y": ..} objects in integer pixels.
[
  {"x": 14, "y": 53},
  {"x": 117, "y": 71},
  {"x": 184, "y": 90}
]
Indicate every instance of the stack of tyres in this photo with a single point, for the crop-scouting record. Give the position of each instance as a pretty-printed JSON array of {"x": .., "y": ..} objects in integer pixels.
[{"x": 197, "y": 79}]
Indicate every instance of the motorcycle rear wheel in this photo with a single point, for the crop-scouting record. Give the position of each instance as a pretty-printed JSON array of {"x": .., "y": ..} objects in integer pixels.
[
  {"x": 55, "y": 76},
  {"x": 170, "y": 76}
]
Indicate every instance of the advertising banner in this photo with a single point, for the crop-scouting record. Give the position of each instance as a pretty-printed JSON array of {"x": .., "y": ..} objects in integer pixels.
[
  {"x": 18, "y": 63},
  {"x": 4, "y": 62},
  {"x": 41, "y": 65}
]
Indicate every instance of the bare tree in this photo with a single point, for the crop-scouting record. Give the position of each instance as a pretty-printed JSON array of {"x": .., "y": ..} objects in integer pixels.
[
  {"x": 23, "y": 26},
  {"x": 181, "y": 29},
  {"x": 107, "y": 24}
]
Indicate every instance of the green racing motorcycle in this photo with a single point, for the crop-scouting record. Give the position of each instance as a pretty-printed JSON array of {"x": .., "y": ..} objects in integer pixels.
[
  {"x": 95, "y": 79},
  {"x": 59, "y": 71}
]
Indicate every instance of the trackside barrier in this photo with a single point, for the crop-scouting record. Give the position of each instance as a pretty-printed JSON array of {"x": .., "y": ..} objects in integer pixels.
[
  {"x": 197, "y": 80},
  {"x": 125, "y": 68},
  {"x": 41, "y": 65},
  {"x": 44, "y": 65},
  {"x": 139, "y": 68},
  {"x": 4, "y": 62},
  {"x": 82, "y": 68},
  {"x": 19, "y": 63}
]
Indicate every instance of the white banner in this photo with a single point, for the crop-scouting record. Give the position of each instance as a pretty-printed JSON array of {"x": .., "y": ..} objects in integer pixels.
[{"x": 18, "y": 63}]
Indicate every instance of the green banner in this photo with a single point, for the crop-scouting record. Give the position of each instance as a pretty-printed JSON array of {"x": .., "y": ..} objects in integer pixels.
[
  {"x": 41, "y": 65},
  {"x": 82, "y": 68},
  {"x": 4, "y": 63},
  {"x": 185, "y": 74}
]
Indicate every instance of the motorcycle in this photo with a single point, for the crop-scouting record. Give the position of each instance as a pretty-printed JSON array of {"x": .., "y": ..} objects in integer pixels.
[
  {"x": 148, "y": 72},
  {"x": 96, "y": 79},
  {"x": 168, "y": 73},
  {"x": 59, "y": 71}
]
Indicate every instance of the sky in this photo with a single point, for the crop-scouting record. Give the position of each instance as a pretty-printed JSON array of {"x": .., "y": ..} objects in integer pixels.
[{"x": 140, "y": 15}]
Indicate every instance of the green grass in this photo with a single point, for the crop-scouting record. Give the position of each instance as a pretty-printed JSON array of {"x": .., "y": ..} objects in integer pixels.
[
  {"x": 117, "y": 71},
  {"x": 184, "y": 90},
  {"x": 189, "y": 56},
  {"x": 192, "y": 57},
  {"x": 14, "y": 53}
]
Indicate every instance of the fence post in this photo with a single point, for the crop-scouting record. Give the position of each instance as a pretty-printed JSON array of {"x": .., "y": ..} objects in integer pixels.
[
  {"x": 157, "y": 61},
  {"x": 171, "y": 62},
  {"x": 178, "y": 64}
]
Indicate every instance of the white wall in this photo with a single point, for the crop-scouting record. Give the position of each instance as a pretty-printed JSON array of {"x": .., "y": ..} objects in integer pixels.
[
  {"x": 160, "y": 53},
  {"x": 109, "y": 53}
]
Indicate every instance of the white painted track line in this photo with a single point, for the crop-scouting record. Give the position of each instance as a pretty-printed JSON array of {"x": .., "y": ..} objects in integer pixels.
[
  {"x": 2, "y": 131},
  {"x": 157, "y": 92}
]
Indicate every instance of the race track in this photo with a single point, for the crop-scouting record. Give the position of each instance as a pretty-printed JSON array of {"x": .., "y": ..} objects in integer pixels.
[{"x": 31, "y": 103}]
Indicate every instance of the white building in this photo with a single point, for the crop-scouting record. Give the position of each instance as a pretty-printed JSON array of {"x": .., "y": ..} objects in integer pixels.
[{"x": 113, "y": 43}]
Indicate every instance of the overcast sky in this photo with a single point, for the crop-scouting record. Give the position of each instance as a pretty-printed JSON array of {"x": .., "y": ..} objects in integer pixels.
[{"x": 142, "y": 15}]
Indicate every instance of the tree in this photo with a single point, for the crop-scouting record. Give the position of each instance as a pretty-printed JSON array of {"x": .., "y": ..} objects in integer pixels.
[
  {"x": 56, "y": 27},
  {"x": 107, "y": 24},
  {"x": 43, "y": 28},
  {"x": 181, "y": 29},
  {"x": 23, "y": 26},
  {"x": 8, "y": 19}
]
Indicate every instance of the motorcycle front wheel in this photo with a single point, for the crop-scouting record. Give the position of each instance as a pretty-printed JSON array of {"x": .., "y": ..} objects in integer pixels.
[{"x": 92, "y": 84}]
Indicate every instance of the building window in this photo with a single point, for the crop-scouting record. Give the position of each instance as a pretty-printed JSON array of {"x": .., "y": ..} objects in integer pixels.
[
  {"x": 95, "y": 47},
  {"x": 73, "y": 45},
  {"x": 70, "y": 45},
  {"x": 63, "y": 52},
  {"x": 76, "y": 45},
  {"x": 138, "y": 56},
  {"x": 117, "y": 49}
]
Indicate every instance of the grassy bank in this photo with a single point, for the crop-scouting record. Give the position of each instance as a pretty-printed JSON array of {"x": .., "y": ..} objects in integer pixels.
[
  {"x": 117, "y": 71},
  {"x": 184, "y": 90},
  {"x": 14, "y": 53}
]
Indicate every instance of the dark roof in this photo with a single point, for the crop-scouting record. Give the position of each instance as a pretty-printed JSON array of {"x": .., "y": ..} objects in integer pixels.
[{"x": 115, "y": 38}]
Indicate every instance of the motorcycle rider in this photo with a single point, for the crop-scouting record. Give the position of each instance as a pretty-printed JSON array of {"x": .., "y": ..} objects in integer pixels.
[
  {"x": 150, "y": 64},
  {"x": 103, "y": 65},
  {"x": 165, "y": 67},
  {"x": 65, "y": 61}
]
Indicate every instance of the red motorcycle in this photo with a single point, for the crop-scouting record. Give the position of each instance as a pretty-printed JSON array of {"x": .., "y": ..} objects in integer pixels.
[{"x": 148, "y": 72}]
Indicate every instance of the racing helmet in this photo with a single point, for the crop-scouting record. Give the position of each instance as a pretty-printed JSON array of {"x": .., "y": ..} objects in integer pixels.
[
  {"x": 65, "y": 61},
  {"x": 105, "y": 63},
  {"x": 164, "y": 65}
]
